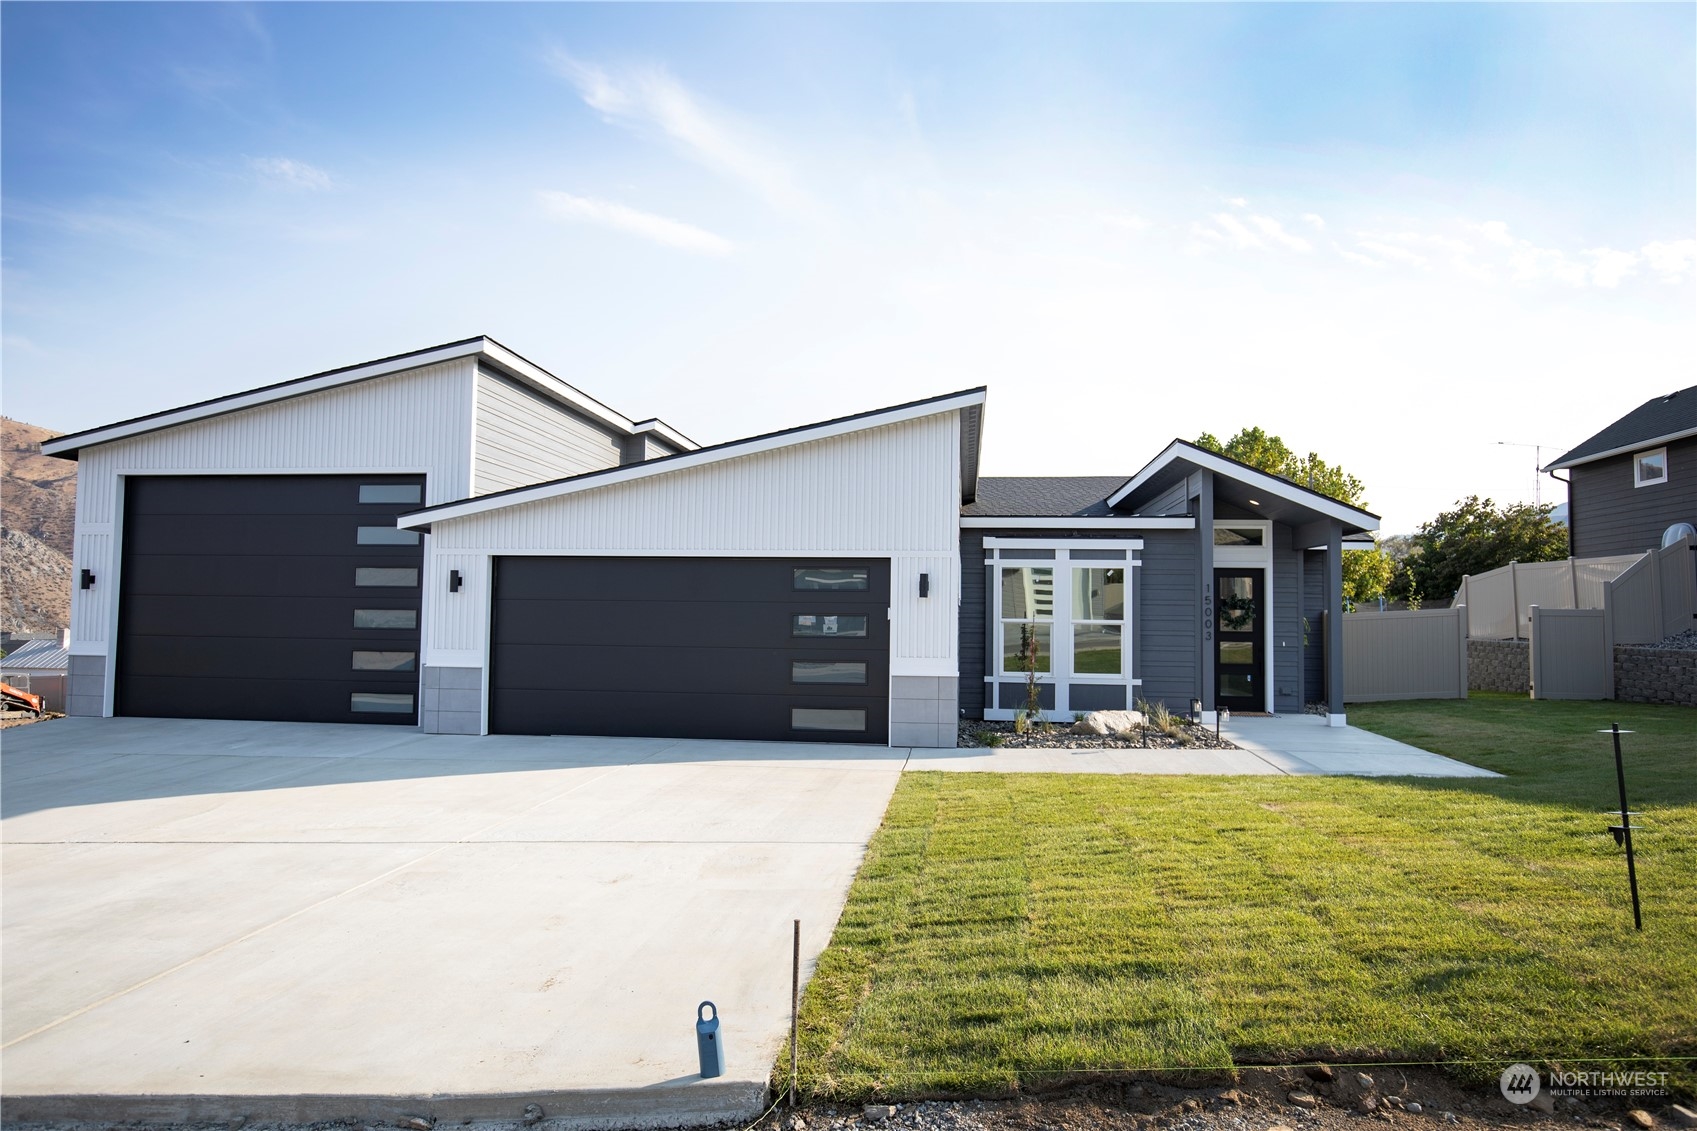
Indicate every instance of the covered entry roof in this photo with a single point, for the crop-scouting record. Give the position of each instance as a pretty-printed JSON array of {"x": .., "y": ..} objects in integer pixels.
[{"x": 1253, "y": 491}]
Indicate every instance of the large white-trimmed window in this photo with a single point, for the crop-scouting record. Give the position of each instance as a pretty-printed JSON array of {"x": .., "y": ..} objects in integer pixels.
[
  {"x": 1065, "y": 607},
  {"x": 1650, "y": 469}
]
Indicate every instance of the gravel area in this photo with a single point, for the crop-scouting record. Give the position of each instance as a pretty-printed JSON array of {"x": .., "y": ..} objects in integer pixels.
[
  {"x": 976, "y": 732},
  {"x": 1681, "y": 642}
]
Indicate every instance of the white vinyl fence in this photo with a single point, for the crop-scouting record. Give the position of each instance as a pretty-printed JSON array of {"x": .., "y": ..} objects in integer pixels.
[{"x": 1405, "y": 655}]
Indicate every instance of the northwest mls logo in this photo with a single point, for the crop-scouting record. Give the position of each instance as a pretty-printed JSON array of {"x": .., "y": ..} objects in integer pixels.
[{"x": 1519, "y": 1084}]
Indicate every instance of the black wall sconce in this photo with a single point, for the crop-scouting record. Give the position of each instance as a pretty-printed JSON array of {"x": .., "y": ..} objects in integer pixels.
[
  {"x": 925, "y": 585},
  {"x": 88, "y": 579},
  {"x": 454, "y": 581}
]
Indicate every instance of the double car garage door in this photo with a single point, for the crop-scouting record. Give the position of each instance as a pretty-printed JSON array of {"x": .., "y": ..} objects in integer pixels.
[
  {"x": 691, "y": 648},
  {"x": 296, "y": 598}
]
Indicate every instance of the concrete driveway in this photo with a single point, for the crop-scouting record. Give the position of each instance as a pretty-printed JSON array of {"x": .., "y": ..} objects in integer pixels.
[{"x": 298, "y": 922}]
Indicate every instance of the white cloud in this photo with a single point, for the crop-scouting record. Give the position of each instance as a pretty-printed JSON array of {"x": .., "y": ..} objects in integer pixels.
[
  {"x": 1495, "y": 231},
  {"x": 1275, "y": 231},
  {"x": 290, "y": 173},
  {"x": 1234, "y": 228},
  {"x": 1314, "y": 221},
  {"x": 1611, "y": 266},
  {"x": 659, "y": 229},
  {"x": 1237, "y": 201},
  {"x": 649, "y": 97},
  {"x": 1672, "y": 260}
]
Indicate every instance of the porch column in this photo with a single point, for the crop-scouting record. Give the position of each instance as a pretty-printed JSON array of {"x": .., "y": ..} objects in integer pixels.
[
  {"x": 1334, "y": 624},
  {"x": 1202, "y": 506}
]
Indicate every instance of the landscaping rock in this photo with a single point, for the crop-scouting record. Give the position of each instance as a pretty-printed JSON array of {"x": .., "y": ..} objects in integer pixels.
[
  {"x": 877, "y": 1113},
  {"x": 1364, "y": 1081},
  {"x": 1108, "y": 722},
  {"x": 1321, "y": 1072},
  {"x": 1305, "y": 1100},
  {"x": 1413, "y": 1108},
  {"x": 532, "y": 1114},
  {"x": 1544, "y": 1102},
  {"x": 1682, "y": 1116},
  {"x": 1642, "y": 1118},
  {"x": 416, "y": 1123}
]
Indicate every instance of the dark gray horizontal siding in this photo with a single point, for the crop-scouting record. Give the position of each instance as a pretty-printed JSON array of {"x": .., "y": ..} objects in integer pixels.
[
  {"x": 972, "y": 620},
  {"x": 1167, "y": 652},
  {"x": 1608, "y": 515},
  {"x": 1313, "y": 610},
  {"x": 1174, "y": 500}
]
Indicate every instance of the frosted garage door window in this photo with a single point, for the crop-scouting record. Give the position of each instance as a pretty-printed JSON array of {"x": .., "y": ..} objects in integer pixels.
[
  {"x": 390, "y": 493},
  {"x": 386, "y": 618},
  {"x": 380, "y": 703},
  {"x": 828, "y": 718},
  {"x": 823, "y": 671},
  {"x": 835, "y": 580},
  {"x": 385, "y": 577},
  {"x": 387, "y": 536}
]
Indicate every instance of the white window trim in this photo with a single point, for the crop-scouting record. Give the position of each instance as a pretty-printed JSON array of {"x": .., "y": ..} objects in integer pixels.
[
  {"x": 1060, "y": 643},
  {"x": 1637, "y": 480}
]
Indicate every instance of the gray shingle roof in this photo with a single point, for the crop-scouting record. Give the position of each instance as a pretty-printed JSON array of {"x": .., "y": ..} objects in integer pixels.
[
  {"x": 1661, "y": 416},
  {"x": 37, "y": 655},
  {"x": 1041, "y": 496}
]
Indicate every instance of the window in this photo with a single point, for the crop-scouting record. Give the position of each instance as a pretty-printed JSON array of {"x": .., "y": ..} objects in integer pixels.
[
  {"x": 1650, "y": 468},
  {"x": 1098, "y": 621},
  {"x": 387, "y": 536},
  {"x": 817, "y": 718},
  {"x": 814, "y": 624},
  {"x": 838, "y": 580},
  {"x": 1028, "y": 601},
  {"x": 385, "y": 618},
  {"x": 385, "y": 661},
  {"x": 390, "y": 493},
  {"x": 1239, "y": 536},
  {"x": 827, "y": 671},
  {"x": 380, "y": 703},
  {"x": 384, "y": 576}
]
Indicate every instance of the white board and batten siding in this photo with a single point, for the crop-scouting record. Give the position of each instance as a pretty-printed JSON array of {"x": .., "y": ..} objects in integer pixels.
[
  {"x": 413, "y": 423},
  {"x": 522, "y": 438},
  {"x": 889, "y": 491}
]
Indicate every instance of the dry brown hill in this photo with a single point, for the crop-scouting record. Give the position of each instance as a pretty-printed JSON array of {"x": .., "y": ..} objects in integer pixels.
[{"x": 38, "y": 506}]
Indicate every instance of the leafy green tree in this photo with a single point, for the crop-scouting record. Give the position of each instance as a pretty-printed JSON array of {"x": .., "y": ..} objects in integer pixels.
[
  {"x": 1366, "y": 573},
  {"x": 1476, "y": 537},
  {"x": 1270, "y": 453}
]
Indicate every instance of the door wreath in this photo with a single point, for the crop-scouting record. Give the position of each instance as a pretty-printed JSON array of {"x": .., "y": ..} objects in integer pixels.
[{"x": 1236, "y": 613}]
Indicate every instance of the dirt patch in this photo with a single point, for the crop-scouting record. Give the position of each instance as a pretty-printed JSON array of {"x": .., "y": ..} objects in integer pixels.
[{"x": 9, "y": 719}]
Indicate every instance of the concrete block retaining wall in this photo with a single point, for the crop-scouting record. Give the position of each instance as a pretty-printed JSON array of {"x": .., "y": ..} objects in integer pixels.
[
  {"x": 1499, "y": 665},
  {"x": 1645, "y": 673}
]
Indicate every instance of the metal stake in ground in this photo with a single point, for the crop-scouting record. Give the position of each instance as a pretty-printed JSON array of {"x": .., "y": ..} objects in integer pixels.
[
  {"x": 1623, "y": 833},
  {"x": 795, "y": 1009}
]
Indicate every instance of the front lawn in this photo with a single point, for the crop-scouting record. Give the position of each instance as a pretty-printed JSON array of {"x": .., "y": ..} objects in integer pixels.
[{"x": 1010, "y": 930}]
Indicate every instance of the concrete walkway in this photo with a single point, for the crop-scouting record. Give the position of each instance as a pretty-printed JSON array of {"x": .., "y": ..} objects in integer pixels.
[
  {"x": 1284, "y": 744},
  {"x": 304, "y": 922}
]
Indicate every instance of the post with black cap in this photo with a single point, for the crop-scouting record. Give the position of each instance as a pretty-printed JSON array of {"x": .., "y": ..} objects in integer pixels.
[{"x": 1623, "y": 831}]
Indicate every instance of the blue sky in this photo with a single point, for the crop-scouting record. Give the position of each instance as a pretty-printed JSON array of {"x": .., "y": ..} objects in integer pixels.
[{"x": 1396, "y": 234}]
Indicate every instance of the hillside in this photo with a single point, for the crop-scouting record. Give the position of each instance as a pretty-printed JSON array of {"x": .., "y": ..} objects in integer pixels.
[{"x": 38, "y": 513}]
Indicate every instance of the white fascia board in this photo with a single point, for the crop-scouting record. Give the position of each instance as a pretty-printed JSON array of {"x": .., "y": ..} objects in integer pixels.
[
  {"x": 287, "y": 391},
  {"x": 986, "y": 522},
  {"x": 667, "y": 433},
  {"x": 1637, "y": 446},
  {"x": 686, "y": 460},
  {"x": 1260, "y": 480},
  {"x": 555, "y": 389}
]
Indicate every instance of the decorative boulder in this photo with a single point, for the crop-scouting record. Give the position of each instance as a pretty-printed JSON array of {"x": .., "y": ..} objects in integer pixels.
[{"x": 1108, "y": 722}]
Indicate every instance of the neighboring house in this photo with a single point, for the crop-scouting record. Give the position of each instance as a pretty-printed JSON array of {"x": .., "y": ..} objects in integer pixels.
[
  {"x": 456, "y": 539},
  {"x": 38, "y": 666},
  {"x": 1635, "y": 479}
]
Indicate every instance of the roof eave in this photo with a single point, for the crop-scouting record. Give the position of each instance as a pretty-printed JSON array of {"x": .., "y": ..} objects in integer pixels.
[
  {"x": 1625, "y": 449},
  {"x": 1262, "y": 480}
]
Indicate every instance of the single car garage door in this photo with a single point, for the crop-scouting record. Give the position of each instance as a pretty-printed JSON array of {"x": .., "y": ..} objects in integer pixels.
[
  {"x": 288, "y": 597},
  {"x": 692, "y": 648}
]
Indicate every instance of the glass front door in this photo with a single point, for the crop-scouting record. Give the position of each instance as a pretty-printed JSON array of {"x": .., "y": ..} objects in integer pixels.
[{"x": 1238, "y": 648}]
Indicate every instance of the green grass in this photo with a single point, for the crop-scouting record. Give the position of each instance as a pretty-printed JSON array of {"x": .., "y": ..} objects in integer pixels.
[{"x": 1007, "y": 931}]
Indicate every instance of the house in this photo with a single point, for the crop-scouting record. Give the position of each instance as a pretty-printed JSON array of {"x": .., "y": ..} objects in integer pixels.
[
  {"x": 1634, "y": 481},
  {"x": 38, "y": 666},
  {"x": 456, "y": 539}
]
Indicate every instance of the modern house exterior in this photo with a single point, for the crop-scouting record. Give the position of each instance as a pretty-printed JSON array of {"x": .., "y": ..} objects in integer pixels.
[
  {"x": 456, "y": 539},
  {"x": 1635, "y": 480}
]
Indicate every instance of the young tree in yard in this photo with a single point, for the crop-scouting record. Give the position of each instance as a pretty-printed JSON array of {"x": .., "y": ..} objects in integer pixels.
[
  {"x": 1366, "y": 573},
  {"x": 1474, "y": 538}
]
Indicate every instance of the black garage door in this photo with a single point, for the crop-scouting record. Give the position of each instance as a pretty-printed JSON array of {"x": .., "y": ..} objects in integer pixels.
[
  {"x": 692, "y": 648},
  {"x": 289, "y": 597}
]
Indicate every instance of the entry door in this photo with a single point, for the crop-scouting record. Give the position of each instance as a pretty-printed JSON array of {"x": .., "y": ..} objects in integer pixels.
[{"x": 1239, "y": 639}]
